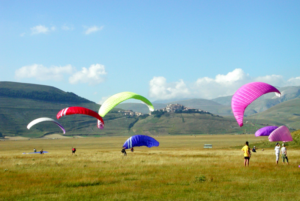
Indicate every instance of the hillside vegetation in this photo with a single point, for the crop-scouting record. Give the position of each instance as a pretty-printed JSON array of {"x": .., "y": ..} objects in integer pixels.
[
  {"x": 286, "y": 113},
  {"x": 21, "y": 103},
  {"x": 17, "y": 110},
  {"x": 294, "y": 144}
]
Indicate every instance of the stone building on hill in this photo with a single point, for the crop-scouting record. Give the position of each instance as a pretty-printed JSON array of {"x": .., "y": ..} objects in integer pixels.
[
  {"x": 130, "y": 113},
  {"x": 177, "y": 108}
]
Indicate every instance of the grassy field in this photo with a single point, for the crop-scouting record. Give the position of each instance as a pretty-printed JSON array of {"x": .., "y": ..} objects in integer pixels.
[{"x": 179, "y": 169}]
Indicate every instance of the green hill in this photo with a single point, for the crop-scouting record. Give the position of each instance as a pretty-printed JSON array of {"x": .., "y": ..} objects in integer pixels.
[
  {"x": 286, "y": 113},
  {"x": 206, "y": 105},
  {"x": 202, "y": 104},
  {"x": 266, "y": 101},
  {"x": 38, "y": 92},
  {"x": 17, "y": 109},
  {"x": 21, "y": 103},
  {"x": 190, "y": 123}
]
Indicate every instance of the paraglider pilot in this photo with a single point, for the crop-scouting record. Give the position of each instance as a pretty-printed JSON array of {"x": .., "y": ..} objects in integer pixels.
[
  {"x": 247, "y": 153},
  {"x": 131, "y": 149},
  {"x": 124, "y": 151},
  {"x": 73, "y": 150},
  {"x": 253, "y": 149},
  {"x": 277, "y": 152}
]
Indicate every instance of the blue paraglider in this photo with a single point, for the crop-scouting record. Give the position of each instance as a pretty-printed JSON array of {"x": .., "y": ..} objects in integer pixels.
[{"x": 140, "y": 140}]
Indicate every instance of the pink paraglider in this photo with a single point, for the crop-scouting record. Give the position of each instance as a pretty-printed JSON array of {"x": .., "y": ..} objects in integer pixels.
[
  {"x": 265, "y": 131},
  {"x": 281, "y": 134},
  {"x": 245, "y": 95},
  {"x": 79, "y": 110}
]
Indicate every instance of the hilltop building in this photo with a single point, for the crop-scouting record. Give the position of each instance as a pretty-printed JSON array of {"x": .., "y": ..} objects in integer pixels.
[
  {"x": 130, "y": 113},
  {"x": 173, "y": 108}
]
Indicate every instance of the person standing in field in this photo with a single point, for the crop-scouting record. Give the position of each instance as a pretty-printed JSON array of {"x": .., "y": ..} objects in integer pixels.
[
  {"x": 73, "y": 150},
  {"x": 124, "y": 151},
  {"x": 284, "y": 154},
  {"x": 247, "y": 153},
  {"x": 34, "y": 150},
  {"x": 277, "y": 152}
]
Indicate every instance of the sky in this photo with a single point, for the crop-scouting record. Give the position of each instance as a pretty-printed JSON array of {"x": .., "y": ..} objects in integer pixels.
[{"x": 159, "y": 49}]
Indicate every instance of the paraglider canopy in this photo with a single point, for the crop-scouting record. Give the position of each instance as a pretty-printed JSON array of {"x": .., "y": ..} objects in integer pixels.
[
  {"x": 116, "y": 99},
  {"x": 265, "y": 131},
  {"x": 79, "y": 110},
  {"x": 140, "y": 140},
  {"x": 42, "y": 119},
  {"x": 245, "y": 95},
  {"x": 281, "y": 134}
]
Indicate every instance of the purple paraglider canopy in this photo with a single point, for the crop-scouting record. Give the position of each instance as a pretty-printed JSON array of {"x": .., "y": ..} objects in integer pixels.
[
  {"x": 265, "y": 131},
  {"x": 281, "y": 134},
  {"x": 245, "y": 95}
]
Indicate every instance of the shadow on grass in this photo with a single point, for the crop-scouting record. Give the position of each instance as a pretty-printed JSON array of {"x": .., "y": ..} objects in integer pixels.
[{"x": 90, "y": 183}]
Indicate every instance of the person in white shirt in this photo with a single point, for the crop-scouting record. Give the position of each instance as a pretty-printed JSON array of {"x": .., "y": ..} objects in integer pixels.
[
  {"x": 284, "y": 154},
  {"x": 277, "y": 152}
]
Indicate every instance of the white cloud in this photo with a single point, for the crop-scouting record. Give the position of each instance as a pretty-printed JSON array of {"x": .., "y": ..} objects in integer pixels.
[
  {"x": 208, "y": 88},
  {"x": 93, "y": 29},
  {"x": 92, "y": 75},
  {"x": 294, "y": 81},
  {"x": 41, "y": 72},
  {"x": 40, "y": 29},
  {"x": 276, "y": 80},
  {"x": 160, "y": 89},
  {"x": 67, "y": 28},
  {"x": 22, "y": 34}
]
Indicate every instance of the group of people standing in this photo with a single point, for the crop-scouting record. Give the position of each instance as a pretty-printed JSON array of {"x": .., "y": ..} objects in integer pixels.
[
  {"x": 247, "y": 153},
  {"x": 283, "y": 152}
]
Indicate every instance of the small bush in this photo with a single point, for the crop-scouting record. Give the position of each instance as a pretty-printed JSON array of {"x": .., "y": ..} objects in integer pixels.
[{"x": 201, "y": 178}]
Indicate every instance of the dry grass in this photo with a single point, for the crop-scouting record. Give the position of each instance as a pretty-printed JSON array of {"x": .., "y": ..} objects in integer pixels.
[{"x": 179, "y": 169}]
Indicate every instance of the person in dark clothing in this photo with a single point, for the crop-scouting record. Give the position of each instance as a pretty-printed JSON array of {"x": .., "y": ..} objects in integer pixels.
[
  {"x": 41, "y": 152},
  {"x": 124, "y": 151},
  {"x": 254, "y": 149},
  {"x": 73, "y": 150},
  {"x": 131, "y": 149}
]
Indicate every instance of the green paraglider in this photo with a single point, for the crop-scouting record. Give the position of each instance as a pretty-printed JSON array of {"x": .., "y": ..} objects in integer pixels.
[{"x": 116, "y": 99}]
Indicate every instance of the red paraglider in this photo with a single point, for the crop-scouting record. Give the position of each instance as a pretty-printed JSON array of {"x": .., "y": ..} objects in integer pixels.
[{"x": 78, "y": 110}]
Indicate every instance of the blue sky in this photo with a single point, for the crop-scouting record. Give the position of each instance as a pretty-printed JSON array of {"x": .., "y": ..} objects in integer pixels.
[{"x": 159, "y": 49}]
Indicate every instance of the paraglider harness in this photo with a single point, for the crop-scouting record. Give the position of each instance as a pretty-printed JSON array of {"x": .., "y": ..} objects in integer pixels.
[{"x": 124, "y": 151}]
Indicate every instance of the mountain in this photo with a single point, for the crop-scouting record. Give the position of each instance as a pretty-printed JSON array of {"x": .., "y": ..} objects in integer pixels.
[
  {"x": 202, "y": 104},
  {"x": 266, "y": 101},
  {"x": 206, "y": 105},
  {"x": 191, "y": 123},
  {"x": 38, "y": 92},
  {"x": 286, "y": 113},
  {"x": 21, "y": 103}
]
